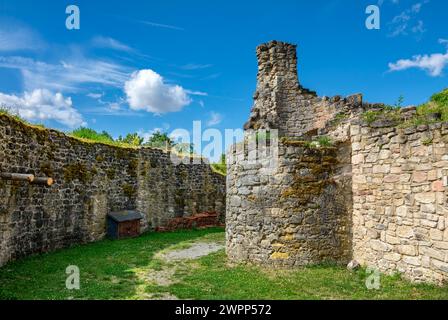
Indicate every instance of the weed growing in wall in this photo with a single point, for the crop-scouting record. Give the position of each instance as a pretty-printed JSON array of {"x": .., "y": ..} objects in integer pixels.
[
  {"x": 435, "y": 110},
  {"x": 12, "y": 113}
]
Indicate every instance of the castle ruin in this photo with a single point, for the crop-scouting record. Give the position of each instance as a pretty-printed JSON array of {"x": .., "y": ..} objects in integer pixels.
[
  {"x": 90, "y": 181},
  {"x": 377, "y": 194}
]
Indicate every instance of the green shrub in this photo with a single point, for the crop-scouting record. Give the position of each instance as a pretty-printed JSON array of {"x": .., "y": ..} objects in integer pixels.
[
  {"x": 325, "y": 141},
  {"x": 441, "y": 98},
  {"x": 370, "y": 116},
  {"x": 90, "y": 134},
  {"x": 437, "y": 104},
  {"x": 160, "y": 140},
  {"x": 132, "y": 139}
]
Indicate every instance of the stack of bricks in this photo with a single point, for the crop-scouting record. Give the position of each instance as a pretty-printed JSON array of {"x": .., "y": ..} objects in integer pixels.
[{"x": 200, "y": 220}]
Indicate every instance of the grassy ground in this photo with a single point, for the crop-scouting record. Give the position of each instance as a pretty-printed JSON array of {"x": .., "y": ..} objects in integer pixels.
[{"x": 134, "y": 269}]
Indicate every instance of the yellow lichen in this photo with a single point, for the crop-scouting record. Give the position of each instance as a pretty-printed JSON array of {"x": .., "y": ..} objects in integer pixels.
[{"x": 279, "y": 256}]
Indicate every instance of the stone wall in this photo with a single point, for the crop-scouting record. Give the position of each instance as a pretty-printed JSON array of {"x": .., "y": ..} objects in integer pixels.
[
  {"x": 400, "y": 204},
  {"x": 297, "y": 213},
  {"x": 91, "y": 180},
  {"x": 280, "y": 102},
  {"x": 378, "y": 196}
]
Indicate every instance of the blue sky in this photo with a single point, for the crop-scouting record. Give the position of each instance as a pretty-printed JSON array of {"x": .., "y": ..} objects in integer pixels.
[{"x": 148, "y": 65}]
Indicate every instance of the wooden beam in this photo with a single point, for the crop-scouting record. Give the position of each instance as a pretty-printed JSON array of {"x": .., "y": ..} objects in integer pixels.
[
  {"x": 17, "y": 176},
  {"x": 43, "y": 181}
]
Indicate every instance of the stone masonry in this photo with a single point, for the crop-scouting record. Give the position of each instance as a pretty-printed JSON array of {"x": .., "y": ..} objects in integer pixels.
[
  {"x": 377, "y": 194},
  {"x": 92, "y": 179},
  {"x": 400, "y": 215},
  {"x": 297, "y": 216}
]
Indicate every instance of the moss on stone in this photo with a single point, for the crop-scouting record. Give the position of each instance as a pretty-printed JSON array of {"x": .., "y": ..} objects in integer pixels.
[
  {"x": 153, "y": 163},
  {"x": 111, "y": 173},
  {"x": 129, "y": 190},
  {"x": 46, "y": 169},
  {"x": 42, "y": 136},
  {"x": 77, "y": 171},
  {"x": 318, "y": 166},
  {"x": 122, "y": 154},
  {"x": 132, "y": 167}
]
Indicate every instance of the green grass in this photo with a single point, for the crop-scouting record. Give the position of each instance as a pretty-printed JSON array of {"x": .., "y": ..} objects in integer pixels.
[
  {"x": 11, "y": 113},
  {"x": 220, "y": 168},
  {"x": 214, "y": 279},
  {"x": 437, "y": 104},
  {"x": 118, "y": 270},
  {"x": 324, "y": 141},
  {"x": 90, "y": 135},
  {"x": 108, "y": 268}
]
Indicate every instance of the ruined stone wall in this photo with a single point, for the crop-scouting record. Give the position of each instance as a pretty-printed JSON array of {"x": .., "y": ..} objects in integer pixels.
[
  {"x": 379, "y": 196},
  {"x": 280, "y": 102},
  {"x": 91, "y": 180},
  {"x": 300, "y": 212},
  {"x": 400, "y": 216},
  {"x": 293, "y": 214}
]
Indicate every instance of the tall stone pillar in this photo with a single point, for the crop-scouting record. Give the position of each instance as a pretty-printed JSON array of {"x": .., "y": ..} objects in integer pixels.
[{"x": 277, "y": 86}]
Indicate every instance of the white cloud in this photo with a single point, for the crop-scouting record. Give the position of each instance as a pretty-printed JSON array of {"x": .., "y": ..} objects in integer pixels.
[
  {"x": 147, "y": 90},
  {"x": 215, "y": 119},
  {"x": 112, "y": 108},
  {"x": 42, "y": 105},
  {"x": 444, "y": 42},
  {"x": 160, "y": 25},
  {"x": 433, "y": 64},
  {"x": 405, "y": 23},
  {"x": 212, "y": 76},
  {"x": 196, "y": 93},
  {"x": 195, "y": 66},
  {"x": 14, "y": 37},
  {"x": 419, "y": 27},
  {"x": 417, "y": 7},
  {"x": 67, "y": 75},
  {"x": 95, "y": 95},
  {"x": 110, "y": 43}
]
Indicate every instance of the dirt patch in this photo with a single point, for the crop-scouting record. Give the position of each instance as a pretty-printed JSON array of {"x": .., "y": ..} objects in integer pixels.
[
  {"x": 163, "y": 278},
  {"x": 161, "y": 296},
  {"x": 174, "y": 261},
  {"x": 196, "y": 251}
]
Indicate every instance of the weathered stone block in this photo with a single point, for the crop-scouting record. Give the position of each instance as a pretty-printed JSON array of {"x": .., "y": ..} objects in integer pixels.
[
  {"x": 379, "y": 245},
  {"x": 408, "y": 250},
  {"x": 405, "y": 231},
  {"x": 425, "y": 197}
]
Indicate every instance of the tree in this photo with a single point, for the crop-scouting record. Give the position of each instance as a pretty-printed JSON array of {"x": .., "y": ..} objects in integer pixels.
[
  {"x": 106, "y": 135},
  {"x": 160, "y": 140},
  {"x": 223, "y": 158},
  {"x": 132, "y": 139},
  {"x": 184, "y": 148}
]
